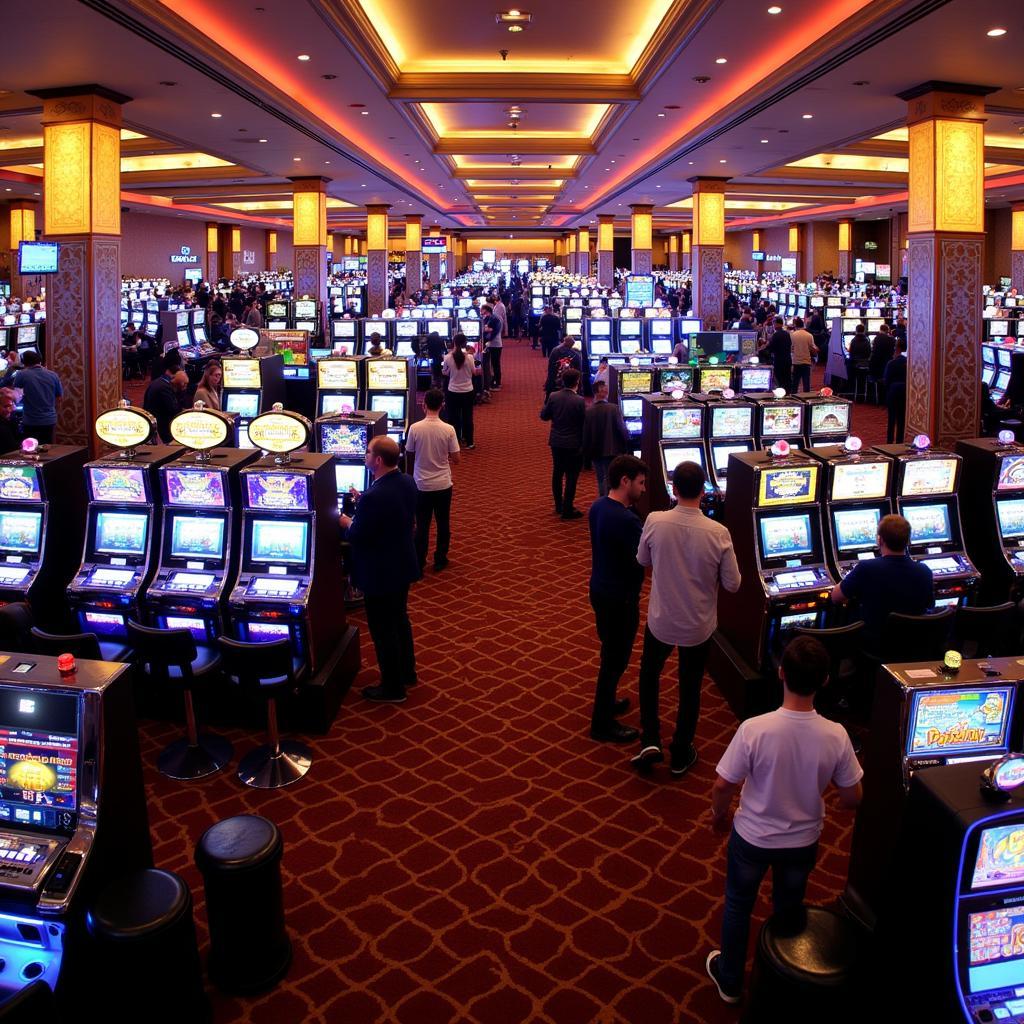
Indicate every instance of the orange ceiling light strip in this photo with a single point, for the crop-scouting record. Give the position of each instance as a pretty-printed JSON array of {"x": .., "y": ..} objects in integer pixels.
[
  {"x": 228, "y": 33},
  {"x": 748, "y": 75}
]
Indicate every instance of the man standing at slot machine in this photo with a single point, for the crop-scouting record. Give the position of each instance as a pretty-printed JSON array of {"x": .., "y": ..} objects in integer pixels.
[{"x": 383, "y": 564}]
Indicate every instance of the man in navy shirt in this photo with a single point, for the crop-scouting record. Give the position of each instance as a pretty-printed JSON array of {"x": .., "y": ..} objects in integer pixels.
[
  {"x": 615, "y": 581},
  {"x": 892, "y": 583},
  {"x": 41, "y": 394},
  {"x": 383, "y": 564}
]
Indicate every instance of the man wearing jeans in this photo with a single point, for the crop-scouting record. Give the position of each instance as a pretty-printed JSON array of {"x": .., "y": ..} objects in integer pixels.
[
  {"x": 783, "y": 762},
  {"x": 689, "y": 555}
]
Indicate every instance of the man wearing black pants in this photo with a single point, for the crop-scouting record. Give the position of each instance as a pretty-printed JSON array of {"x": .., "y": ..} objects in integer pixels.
[
  {"x": 565, "y": 410},
  {"x": 383, "y": 564},
  {"x": 615, "y": 581}
]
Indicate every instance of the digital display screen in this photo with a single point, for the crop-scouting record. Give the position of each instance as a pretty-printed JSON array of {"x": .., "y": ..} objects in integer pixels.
[
  {"x": 929, "y": 524},
  {"x": 241, "y": 373},
  {"x": 470, "y": 328},
  {"x": 199, "y": 487},
  {"x": 599, "y": 327},
  {"x": 335, "y": 403},
  {"x": 279, "y": 540},
  {"x": 305, "y": 309},
  {"x": 784, "y": 486},
  {"x": 998, "y": 328},
  {"x": 988, "y": 357},
  {"x": 124, "y": 485},
  {"x": 121, "y": 533},
  {"x": 630, "y": 328},
  {"x": 392, "y": 405},
  {"x": 995, "y": 949},
  {"x": 277, "y": 310},
  {"x": 109, "y": 578},
  {"x": 676, "y": 380},
  {"x": 337, "y": 373},
  {"x": 755, "y": 378},
  {"x": 197, "y": 537},
  {"x": 347, "y": 475},
  {"x": 600, "y": 346},
  {"x": 863, "y": 480},
  {"x": 662, "y": 328},
  {"x": 781, "y": 420},
  {"x": 629, "y": 346},
  {"x": 387, "y": 375},
  {"x": 830, "y": 417},
  {"x": 442, "y": 328},
  {"x": 1011, "y": 473},
  {"x": 635, "y": 382},
  {"x": 1000, "y": 860},
  {"x": 928, "y": 476},
  {"x": 406, "y": 329},
  {"x": 632, "y": 408},
  {"x": 802, "y": 620},
  {"x": 264, "y": 632},
  {"x": 189, "y": 581},
  {"x": 1005, "y": 357},
  {"x": 280, "y": 491},
  {"x": 732, "y": 421},
  {"x": 856, "y": 528},
  {"x": 273, "y": 585},
  {"x": 1002, "y": 381},
  {"x": 1010, "y": 513},
  {"x": 13, "y": 574},
  {"x": 344, "y": 438},
  {"x": 247, "y": 405},
  {"x": 676, "y": 454},
  {"x": 721, "y": 452},
  {"x": 786, "y": 536},
  {"x": 681, "y": 422},
  {"x": 715, "y": 378},
  {"x": 38, "y": 257},
  {"x": 19, "y": 531},
  {"x": 948, "y": 721},
  {"x": 19, "y": 483},
  {"x": 343, "y": 329}
]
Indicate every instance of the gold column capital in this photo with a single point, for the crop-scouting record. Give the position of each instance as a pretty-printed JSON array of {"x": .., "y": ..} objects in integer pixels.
[
  {"x": 82, "y": 103},
  {"x": 606, "y": 232},
  {"x": 1016, "y": 228},
  {"x": 377, "y": 226},
  {"x": 845, "y": 229},
  {"x": 796, "y": 237},
  {"x": 686, "y": 238}
]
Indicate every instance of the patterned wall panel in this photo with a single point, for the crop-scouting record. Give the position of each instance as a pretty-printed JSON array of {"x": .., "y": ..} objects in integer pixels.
[
  {"x": 376, "y": 281},
  {"x": 960, "y": 176},
  {"x": 641, "y": 263},
  {"x": 845, "y": 266},
  {"x": 310, "y": 270},
  {"x": 106, "y": 180},
  {"x": 606, "y": 269},
  {"x": 413, "y": 270},
  {"x": 921, "y": 333},
  {"x": 959, "y": 328},
  {"x": 708, "y": 284},
  {"x": 1017, "y": 270},
  {"x": 673, "y": 261},
  {"x": 66, "y": 178},
  {"x": 583, "y": 264},
  {"x": 433, "y": 268},
  {"x": 921, "y": 207}
]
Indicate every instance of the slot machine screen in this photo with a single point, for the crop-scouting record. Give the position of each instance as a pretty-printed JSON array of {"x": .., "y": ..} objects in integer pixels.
[
  {"x": 950, "y": 721},
  {"x": 19, "y": 483},
  {"x": 835, "y": 301},
  {"x": 336, "y": 402},
  {"x": 277, "y": 310},
  {"x": 19, "y": 531},
  {"x": 721, "y": 452},
  {"x": 537, "y": 305},
  {"x": 781, "y": 420},
  {"x": 574, "y": 313},
  {"x": 817, "y": 301},
  {"x": 755, "y": 378},
  {"x": 629, "y": 328},
  {"x": 197, "y": 537},
  {"x": 443, "y": 328},
  {"x": 929, "y": 524},
  {"x": 629, "y": 346},
  {"x": 343, "y": 330},
  {"x": 988, "y": 375},
  {"x": 634, "y": 382},
  {"x": 1004, "y": 357},
  {"x": 1010, "y": 513},
  {"x": 121, "y": 533},
  {"x": 855, "y": 528},
  {"x": 998, "y": 328},
  {"x": 675, "y": 454},
  {"x": 661, "y": 327},
  {"x": 632, "y": 408},
  {"x": 470, "y": 329},
  {"x": 715, "y": 378},
  {"x": 277, "y": 325},
  {"x": 114, "y": 483},
  {"x": 241, "y": 373},
  {"x": 689, "y": 326},
  {"x": 199, "y": 315},
  {"x": 392, "y": 405},
  {"x": 995, "y": 957},
  {"x": 1002, "y": 381},
  {"x": 305, "y": 309},
  {"x": 860, "y": 480},
  {"x": 279, "y": 540},
  {"x": 732, "y": 421},
  {"x": 676, "y": 380},
  {"x": 830, "y": 417},
  {"x": 181, "y": 319},
  {"x": 988, "y": 356},
  {"x": 343, "y": 438},
  {"x": 404, "y": 348},
  {"x": 1011, "y": 474},
  {"x": 795, "y": 485},
  {"x": 26, "y": 336},
  {"x": 600, "y": 346},
  {"x": 786, "y": 536},
  {"x": 349, "y": 475},
  {"x": 371, "y": 327},
  {"x": 662, "y": 345},
  {"x": 875, "y": 325},
  {"x": 928, "y": 476},
  {"x": 247, "y": 405},
  {"x": 39, "y": 767},
  {"x": 1000, "y": 860},
  {"x": 406, "y": 329},
  {"x": 681, "y": 422},
  {"x": 198, "y": 487},
  {"x": 730, "y": 342},
  {"x": 599, "y": 327},
  {"x": 285, "y": 492},
  {"x": 337, "y": 373},
  {"x": 387, "y": 375}
]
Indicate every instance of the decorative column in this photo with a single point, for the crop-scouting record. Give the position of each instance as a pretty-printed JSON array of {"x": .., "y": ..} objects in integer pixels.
[
  {"x": 641, "y": 238},
  {"x": 211, "y": 262},
  {"x": 449, "y": 258},
  {"x": 413, "y": 252},
  {"x": 708, "y": 250},
  {"x": 606, "y": 250},
  {"x": 685, "y": 251},
  {"x": 559, "y": 255},
  {"x": 434, "y": 261},
  {"x": 377, "y": 258},
  {"x": 755, "y": 246},
  {"x": 236, "y": 251},
  {"x": 845, "y": 269},
  {"x": 309, "y": 240},
  {"x": 1016, "y": 248},
  {"x": 673, "y": 252},
  {"x": 23, "y": 229},
  {"x": 570, "y": 252},
  {"x": 946, "y": 226},
  {"x": 796, "y": 249},
  {"x": 897, "y": 245},
  {"x": 270, "y": 251},
  {"x": 82, "y": 186},
  {"x": 583, "y": 252}
]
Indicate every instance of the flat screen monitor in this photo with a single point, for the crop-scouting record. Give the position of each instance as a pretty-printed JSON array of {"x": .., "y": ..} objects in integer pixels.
[
  {"x": 470, "y": 329},
  {"x": 874, "y": 326},
  {"x": 198, "y": 315},
  {"x": 277, "y": 325},
  {"x": 1010, "y": 476},
  {"x": 781, "y": 420},
  {"x": 199, "y": 537},
  {"x": 121, "y": 533},
  {"x": 988, "y": 375},
  {"x": 404, "y": 348},
  {"x": 20, "y": 531},
  {"x": 125, "y": 485},
  {"x": 929, "y": 524},
  {"x": 1010, "y": 513},
  {"x": 787, "y": 485},
  {"x": 1004, "y": 357},
  {"x": 928, "y": 476},
  {"x": 488, "y": 255},
  {"x": 715, "y": 378},
  {"x": 600, "y": 346},
  {"x": 392, "y": 405},
  {"x": 199, "y": 488},
  {"x": 343, "y": 330},
  {"x": 337, "y": 374},
  {"x": 988, "y": 355},
  {"x": 1000, "y": 862},
  {"x": 682, "y": 422},
  {"x": 720, "y": 454},
  {"x": 635, "y": 382},
  {"x": 349, "y": 475},
  {"x": 305, "y": 309},
  {"x": 998, "y": 328},
  {"x": 277, "y": 310},
  {"x": 630, "y": 328},
  {"x": 387, "y": 375},
  {"x": 864, "y": 481},
  {"x": 629, "y": 346},
  {"x": 406, "y": 328},
  {"x": 855, "y": 528},
  {"x": 1002, "y": 382},
  {"x": 38, "y": 258},
  {"x": 336, "y": 401},
  {"x": 674, "y": 454},
  {"x": 830, "y": 418},
  {"x": 755, "y": 378},
  {"x": 994, "y": 955},
  {"x": 371, "y": 327},
  {"x": 26, "y": 336},
  {"x": 632, "y": 408},
  {"x": 573, "y": 313},
  {"x": 662, "y": 344},
  {"x": 279, "y": 540},
  {"x": 599, "y": 327},
  {"x": 732, "y": 421},
  {"x": 19, "y": 483},
  {"x": 343, "y": 438},
  {"x": 443, "y": 328},
  {"x": 245, "y": 403},
  {"x": 786, "y": 536},
  {"x": 241, "y": 373},
  {"x": 954, "y": 721},
  {"x": 817, "y": 301},
  {"x": 676, "y": 379},
  {"x": 730, "y": 342},
  {"x": 661, "y": 327},
  {"x": 284, "y": 492}
]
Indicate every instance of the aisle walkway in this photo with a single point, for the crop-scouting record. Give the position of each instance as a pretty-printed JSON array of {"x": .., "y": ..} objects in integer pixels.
[{"x": 471, "y": 855}]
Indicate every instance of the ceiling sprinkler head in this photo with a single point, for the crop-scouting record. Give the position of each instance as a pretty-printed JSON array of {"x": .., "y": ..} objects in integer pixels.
[{"x": 504, "y": 54}]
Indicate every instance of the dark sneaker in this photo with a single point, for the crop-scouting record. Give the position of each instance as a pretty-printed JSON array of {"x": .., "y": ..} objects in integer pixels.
[
  {"x": 711, "y": 966},
  {"x": 381, "y": 696},
  {"x": 647, "y": 758},
  {"x": 573, "y": 513},
  {"x": 614, "y": 733},
  {"x": 682, "y": 764},
  {"x": 620, "y": 707}
]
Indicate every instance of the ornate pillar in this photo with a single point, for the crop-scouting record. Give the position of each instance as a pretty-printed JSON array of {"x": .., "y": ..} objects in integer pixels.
[
  {"x": 270, "y": 251},
  {"x": 640, "y": 238},
  {"x": 570, "y": 252},
  {"x": 434, "y": 261},
  {"x": 755, "y": 246},
  {"x": 559, "y": 255},
  {"x": 708, "y": 250},
  {"x": 236, "y": 251},
  {"x": 845, "y": 268},
  {"x": 583, "y": 252},
  {"x": 309, "y": 240},
  {"x": 23, "y": 229},
  {"x": 211, "y": 262},
  {"x": 82, "y": 186},
  {"x": 946, "y": 225},
  {"x": 449, "y": 258},
  {"x": 897, "y": 245},
  {"x": 796, "y": 249},
  {"x": 673, "y": 252},
  {"x": 1016, "y": 248},
  {"x": 606, "y": 250},
  {"x": 686, "y": 250},
  {"x": 413, "y": 252},
  {"x": 377, "y": 258}
]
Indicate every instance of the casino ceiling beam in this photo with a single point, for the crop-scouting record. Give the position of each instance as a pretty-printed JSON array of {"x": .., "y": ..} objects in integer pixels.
[
  {"x": 510, "y": 173},
  {"x": 513, "y": 143},
  {"x": 467, "y": 87},
  {"x": 227, "y": 193},
  {"x": 788, "y": 175},
  {"x": 798, "y": 193},
  {"x": 140, "y": 179},
  {"x": 129, "y": 147}
]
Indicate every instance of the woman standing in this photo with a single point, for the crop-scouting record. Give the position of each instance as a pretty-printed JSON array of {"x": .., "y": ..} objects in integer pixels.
[
  {"x": 460, "y": 368},
  {"x": 208, "y": 391}
]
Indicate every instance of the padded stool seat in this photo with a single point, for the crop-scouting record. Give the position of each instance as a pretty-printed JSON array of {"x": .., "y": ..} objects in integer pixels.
[
  {"x": 147, "y": 958},
  {"x": 240, "y": 860},
  {"x": 207, "y": 660},
  {"x": 81, "y": 645}
]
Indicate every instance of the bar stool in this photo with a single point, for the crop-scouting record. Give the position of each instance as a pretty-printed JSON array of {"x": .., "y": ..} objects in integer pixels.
[
  {"x": 992, "y": 632},
  {"x": 268, "y": 671},
  {"x": 170, "y": 657},
  {"x": 81, "y": 645},
  {"x": 917, "y": 637},
  {"x": 15, "y": 626}
]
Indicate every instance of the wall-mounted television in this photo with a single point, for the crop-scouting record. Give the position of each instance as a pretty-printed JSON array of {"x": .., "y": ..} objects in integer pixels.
[{"x": 38, "y": 257}]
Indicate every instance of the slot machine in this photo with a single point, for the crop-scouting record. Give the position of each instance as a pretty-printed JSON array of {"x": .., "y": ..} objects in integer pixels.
[
  {"x": 200, "y": 527},
  {"x": 629, "y": 335},
  {"x": 40, "y": 548},
  {"x": 992, "y": 505},
  {"x": 660, "y": 337},
  {"x": 826, "y": 418},
  {"x": 779, "y": 418},
  {"x": 469, "y": 328},
  {"x": 625, "y": 386},
  {"x": 345, "y": 437},
  {"x": 251, "y": 384},
  {"x": 391, "y": 389},
  {"x": 675, "y": 376},
  {"x": 28, "y": 337},
  {"x": 306, "y": 316},
  {"x": 344, "y": 336},
  {"x": 597, "y": 341},
  {"x": 774, "y": 517},
  {"x": 925, "y": 485},
  {"x": 407, "y": 333},
  {"x": 340, "y": 387},
  {"x": 686, "y": 328},
  {"x": 856, "y": 497},
  {"x": 753, "y": 377},
  {"x": 197, "y": 326},
  {"x": 72, "y": 813},
  {"x": 289, "y": 581},
  {"x": 730, "y": 430},
  {"x": 371, "y": 326},
  {"x": 122, "y": 528},
  {"x": 711, "y": 378},
  {"x": 278, "y": 318},
  {"x": 673, "y": 432},
  {"x": 988, "y": 365},
  {"x": 923, "y": 720}
]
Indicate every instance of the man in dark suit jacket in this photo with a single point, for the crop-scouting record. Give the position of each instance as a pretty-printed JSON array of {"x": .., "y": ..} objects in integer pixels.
[
  {"x": 550, "y": 328},
  {"x": 565, "y": 410},
  {"x": 383, "y": 564},
  {"x": 780, "y": 348},
  {"x": 882, "y": 348},
  {"x": 161, "y": 400},
  {"x": 604, "y": 435}
]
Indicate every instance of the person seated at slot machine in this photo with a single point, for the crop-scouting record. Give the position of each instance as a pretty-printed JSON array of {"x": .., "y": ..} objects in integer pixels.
[
  {"x": 779, "y": 764},
  {"x": 9, "y": 439},
  {"x": 893, "y": 582},
  {"x": 161, "y": 399},
  {"x": 883, "y": 345},
  {"x": 209, "y": 388},
  {"x": 253, "y": 317},
  {"x": 383, "y": 565}
]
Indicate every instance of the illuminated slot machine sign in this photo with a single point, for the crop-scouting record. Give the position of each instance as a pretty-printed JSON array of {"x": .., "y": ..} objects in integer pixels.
[
  {"x": 241, "y": 373},
  {"x": 782, "y": 420},
  {"x": 201, "y": 488},
  {"x": 387, "y": 375},
  {"x": 715, "y": 378},
  {"x": 830, "y": 418},
  {"x": 787, "y": 485},
  {"x": 346, "y": 439},
  {"x": 676, "y": 378},
  {"x": 860, "y": 481},
  {"x": 277, "y": 492},
  {"x": 635, "y": 382}
]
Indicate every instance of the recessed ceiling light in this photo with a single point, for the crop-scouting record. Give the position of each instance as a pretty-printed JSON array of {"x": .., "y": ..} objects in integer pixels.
[
  {"x": 365, "y": 113},
  {"x": 216, "y": 115},
  {"x": 764, "y": 140},
  {"x": 8, "y": 190},
  {"x": 690, "y": 162},
  {"x": 721, "y": 60},
  {"x": 303, "y": 56},
  {"x": 721, "y": 161},
  {"x": 327, "y": 161},
  {"x": 264, "y": 140},
  {"x": 515, "y": 28},
  {"x": 657, "y": 186},
  {"x": 296, "y": 159},
  {"x": 362, "y": 186},
  {"x": 807, "y": 117},
  {"x": 994, "y": 32},
  {"x": 774, "y": 10},
  {"x": 662, "y": 114}
]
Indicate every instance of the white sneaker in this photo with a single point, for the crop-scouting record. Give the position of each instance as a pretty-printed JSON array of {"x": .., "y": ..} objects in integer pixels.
[{"x": 711, "y": 966}]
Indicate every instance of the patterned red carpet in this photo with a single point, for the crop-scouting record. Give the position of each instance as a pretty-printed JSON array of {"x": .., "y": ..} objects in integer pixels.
[{"x": 471, "y": 855}]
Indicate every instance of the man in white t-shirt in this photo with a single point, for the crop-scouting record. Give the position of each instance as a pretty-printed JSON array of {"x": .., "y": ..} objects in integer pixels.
[
  {"x": 782, "y": 762},
  {"x": 435, "y": 449}
]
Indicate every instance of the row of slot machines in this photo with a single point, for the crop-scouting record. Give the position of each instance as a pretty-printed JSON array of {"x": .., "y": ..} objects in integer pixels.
[
  {"x": 294, "y": 315},
  {"x": 399, "y": 335},
  {"x": 28, "y": 337},
  {"x": 999, "y": 329},
  {"x": 186, "y": 329},
  {"x": 997, "y": 365}
]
